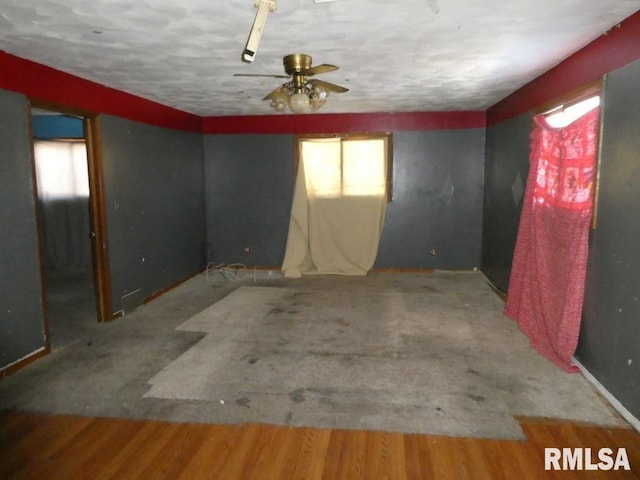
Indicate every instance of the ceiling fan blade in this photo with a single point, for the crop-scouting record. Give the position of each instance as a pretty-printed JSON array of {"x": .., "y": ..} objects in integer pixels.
[
  {"x": 259, "y": 75},
  {"x": 324, "y": 68},
  {"x": 332, "y": 87}
]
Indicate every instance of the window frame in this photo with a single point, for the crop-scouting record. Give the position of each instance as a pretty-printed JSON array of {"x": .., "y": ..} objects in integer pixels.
[
  {"x": 386, "y": 136},
  {"x": 577, "y": 95}
]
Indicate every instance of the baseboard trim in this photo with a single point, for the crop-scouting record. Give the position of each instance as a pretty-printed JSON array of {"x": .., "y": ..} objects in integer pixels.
[
  {"x": 615, "y": 403},
  {"x": 502, "y": 295},
  {"x": 154, "y": 295},
  {"x": 402, "y": 270},
  {"x": 169, "y": 287},
  {"x": 373, "y": 270},
  {"x": 23, "y": 362}
]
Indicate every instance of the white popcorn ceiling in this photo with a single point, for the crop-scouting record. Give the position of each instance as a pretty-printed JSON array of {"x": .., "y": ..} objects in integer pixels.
[{"x": 394, "y": 56}]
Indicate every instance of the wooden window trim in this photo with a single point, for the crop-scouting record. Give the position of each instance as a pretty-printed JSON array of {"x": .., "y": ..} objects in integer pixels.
[
  {"x": 570, "y": 98},
  {"x": 387, "y": 136}
]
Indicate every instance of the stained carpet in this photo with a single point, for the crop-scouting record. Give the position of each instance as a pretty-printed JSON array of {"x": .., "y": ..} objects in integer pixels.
[{"x": 437, "y": 358}]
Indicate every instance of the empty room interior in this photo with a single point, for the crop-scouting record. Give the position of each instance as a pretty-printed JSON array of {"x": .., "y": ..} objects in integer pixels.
[{"x": 319, "y": 239}]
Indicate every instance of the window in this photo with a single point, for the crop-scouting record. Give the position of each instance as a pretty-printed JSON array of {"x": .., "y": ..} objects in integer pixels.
[
  {"x": 342, "y": 166},
  {"x": 564, "y": 115},
  {"x": 61, "y": 169},
  {"x": 563, "y": 112}
]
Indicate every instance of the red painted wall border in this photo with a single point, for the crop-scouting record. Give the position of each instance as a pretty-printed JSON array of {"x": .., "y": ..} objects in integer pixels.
[
  {"x": 54, "y": 86},
  {"x": 612, "y": 50},
  {"x": 343, "y": 123}
]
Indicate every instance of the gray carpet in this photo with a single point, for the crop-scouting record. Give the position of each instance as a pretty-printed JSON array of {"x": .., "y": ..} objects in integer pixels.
[{"x": 437, "y": 357}]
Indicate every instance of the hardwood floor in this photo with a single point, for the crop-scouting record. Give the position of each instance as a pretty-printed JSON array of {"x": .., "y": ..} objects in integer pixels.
[{"x": 39, "y": 446}]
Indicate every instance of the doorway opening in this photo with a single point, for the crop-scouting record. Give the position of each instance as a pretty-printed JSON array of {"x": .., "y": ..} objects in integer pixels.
[{"x": 71, "y": 223}]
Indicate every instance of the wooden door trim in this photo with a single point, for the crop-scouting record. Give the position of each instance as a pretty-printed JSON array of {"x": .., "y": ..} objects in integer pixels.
[
  {"x": 99, "y": 241},
  {"x": 97, "y": 208}
]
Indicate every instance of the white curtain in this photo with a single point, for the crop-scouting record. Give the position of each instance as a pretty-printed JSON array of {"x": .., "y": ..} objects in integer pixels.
[
  {"x": 63, "y": 193},
  {"x": 338, "y": 207}
]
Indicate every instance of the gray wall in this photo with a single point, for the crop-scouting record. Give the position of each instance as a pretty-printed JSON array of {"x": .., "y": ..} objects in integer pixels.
[
  {"x": 249, "y": 187},
  {"x": 155, "y": 214},
  {"x": 155, "y": 208},
  {"x": 610, "y": 337},
  {"x": 437, "y": 201},
  {"x": 21, "y": 311},
  {"x": 438, "y": 182},
  {"x": 506, "y": 171}
]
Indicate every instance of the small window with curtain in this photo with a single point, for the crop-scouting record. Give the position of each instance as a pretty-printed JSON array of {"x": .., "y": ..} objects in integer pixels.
[
  {"x": 548, "y": 271},
  {"x": 61, "y": 169},
  {"x": 563, "y": 115},
  {"x": 342, "y": 187},
  {"x": 347, "y": 166},
  {"x": 572, "y": 185}
]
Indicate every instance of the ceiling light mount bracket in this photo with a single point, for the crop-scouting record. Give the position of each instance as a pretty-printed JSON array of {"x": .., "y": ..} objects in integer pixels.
[{"x": 264, "y": 7}]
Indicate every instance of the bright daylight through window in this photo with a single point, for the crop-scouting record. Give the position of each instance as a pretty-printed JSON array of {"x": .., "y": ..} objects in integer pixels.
[
  {"x": 61, "y": 169},
  {"x": 566, "y": 115},
  {"x": 338, "y": 167}
]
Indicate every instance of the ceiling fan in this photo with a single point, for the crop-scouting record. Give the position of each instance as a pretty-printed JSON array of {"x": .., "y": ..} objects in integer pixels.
[{"x": 300, "y": 94}]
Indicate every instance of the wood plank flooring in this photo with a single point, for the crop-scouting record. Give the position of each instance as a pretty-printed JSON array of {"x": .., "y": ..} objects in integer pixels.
[{"x": 39, "y": 446}]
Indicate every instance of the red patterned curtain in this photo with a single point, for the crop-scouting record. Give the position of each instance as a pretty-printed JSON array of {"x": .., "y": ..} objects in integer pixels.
[{"x": 546, "y": 287}]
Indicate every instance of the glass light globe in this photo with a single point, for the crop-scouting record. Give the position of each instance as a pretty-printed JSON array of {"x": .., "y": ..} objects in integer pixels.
[
  {"x": 299, "y": 103},
  {"x": 318, "y": 97},
  {"x": 279, "y": 99}
]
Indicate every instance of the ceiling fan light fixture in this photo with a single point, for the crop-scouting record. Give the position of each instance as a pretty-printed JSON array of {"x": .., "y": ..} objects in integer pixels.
[
  {"x": 301, "y": 94},
  {"x": 299, "y": 102},
  {"x": 318, "y": 97},
  {"x": 287, "y": 98}
]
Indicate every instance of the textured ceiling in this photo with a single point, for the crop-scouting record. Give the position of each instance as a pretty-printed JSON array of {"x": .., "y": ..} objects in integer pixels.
[{"x": 404, "y": 55}]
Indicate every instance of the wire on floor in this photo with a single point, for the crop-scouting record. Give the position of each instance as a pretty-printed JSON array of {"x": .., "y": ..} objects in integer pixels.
[{"x": 234, "y": 272}]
